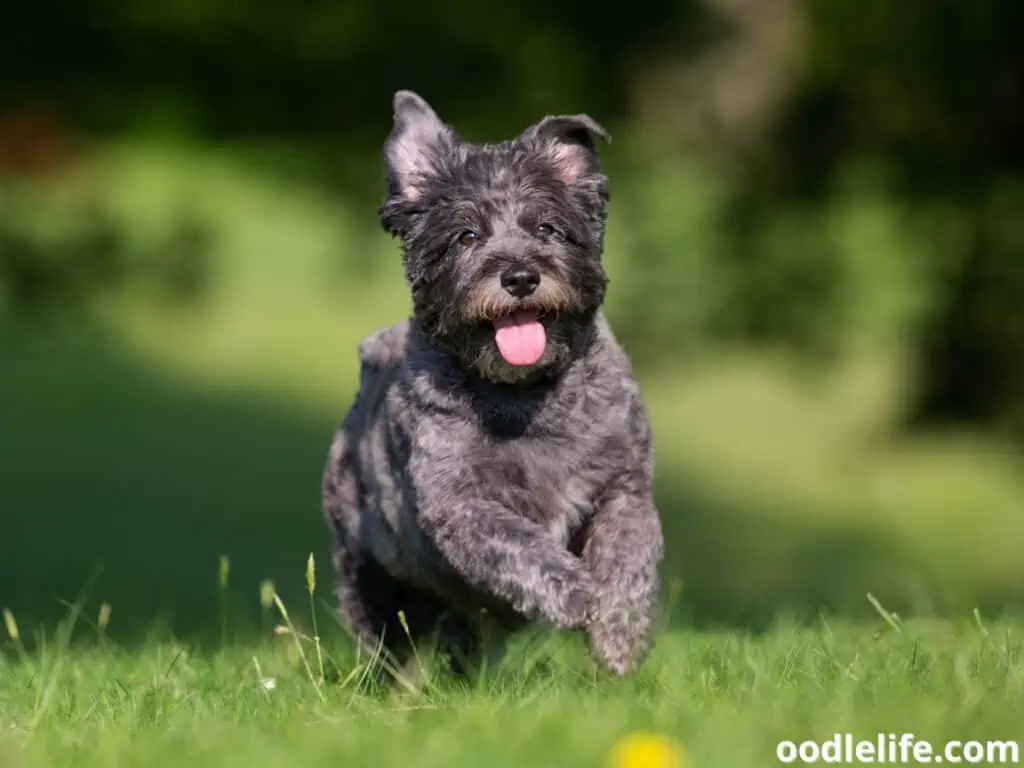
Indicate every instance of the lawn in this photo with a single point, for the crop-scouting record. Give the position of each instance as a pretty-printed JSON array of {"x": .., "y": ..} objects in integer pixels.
[
  {"x": 728, "y": 697},
  {"x": 139, "y": 449}
]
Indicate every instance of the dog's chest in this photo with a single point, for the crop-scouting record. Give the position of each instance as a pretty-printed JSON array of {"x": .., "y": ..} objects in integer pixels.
[{"x": 553, "y": 484}]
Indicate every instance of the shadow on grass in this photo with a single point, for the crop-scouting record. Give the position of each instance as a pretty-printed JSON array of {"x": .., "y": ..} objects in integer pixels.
[{"x": 105, "y": 464}]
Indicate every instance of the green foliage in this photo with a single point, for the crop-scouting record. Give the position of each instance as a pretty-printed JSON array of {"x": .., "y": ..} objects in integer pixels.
[
  {"x": 731, "y": 241},
  {"x": 972, "y": 353},
  {"x": 59, "y": 252},
  {"x": 930, "y": 91}
]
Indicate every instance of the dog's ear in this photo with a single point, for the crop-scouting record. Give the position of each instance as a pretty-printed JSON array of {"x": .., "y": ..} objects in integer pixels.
[
  {"x": 572, "y": 144},
  {"x": 413, "y": 146}
]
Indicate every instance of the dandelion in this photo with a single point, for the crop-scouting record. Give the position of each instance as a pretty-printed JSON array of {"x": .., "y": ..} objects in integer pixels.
[{"x": 647, "y": 750}]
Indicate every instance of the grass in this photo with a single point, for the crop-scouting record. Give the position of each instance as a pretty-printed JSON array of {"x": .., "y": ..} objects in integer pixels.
[
  {"x": 142, "y": 449},
  {"x": 729, "y": 697}
]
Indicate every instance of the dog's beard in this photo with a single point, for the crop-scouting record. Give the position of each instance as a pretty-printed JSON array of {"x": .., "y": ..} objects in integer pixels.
[
  {"x": 487, "y": 301},
  {"x": 509, "y": 340}
]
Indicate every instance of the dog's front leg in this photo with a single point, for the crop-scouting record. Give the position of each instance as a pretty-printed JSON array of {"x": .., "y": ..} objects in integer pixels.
[
  {"x": 623, "y": 550},
  {"x": 510, "y": 558}
]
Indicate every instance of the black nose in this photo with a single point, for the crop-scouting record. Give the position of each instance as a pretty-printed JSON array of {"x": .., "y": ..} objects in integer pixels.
[{"x": 520, "y": 281}]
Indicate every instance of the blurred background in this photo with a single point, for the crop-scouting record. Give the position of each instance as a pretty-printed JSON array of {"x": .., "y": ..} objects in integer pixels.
[{"x": 816, "y": 251}]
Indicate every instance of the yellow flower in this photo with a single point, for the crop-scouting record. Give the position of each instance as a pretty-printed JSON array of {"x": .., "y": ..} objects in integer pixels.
[{"x": 646, "y": 750}]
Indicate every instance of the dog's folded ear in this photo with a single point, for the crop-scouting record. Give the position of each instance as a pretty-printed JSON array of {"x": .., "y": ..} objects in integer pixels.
[
  {"x": 414, "y": 145},
  {"x": 572, "y": 143}
]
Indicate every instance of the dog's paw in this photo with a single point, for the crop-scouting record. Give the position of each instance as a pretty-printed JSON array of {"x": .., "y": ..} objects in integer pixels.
[
  {"x": 619, "y": 641},
  {"x": 580, "y": 607},
  {"x": 571, "y": 599}
]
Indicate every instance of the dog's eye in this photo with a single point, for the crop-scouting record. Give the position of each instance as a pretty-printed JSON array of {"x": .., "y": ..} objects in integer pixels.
[
  {"x": 545, "y": 230},
  {"x": 467, "y": 238}
]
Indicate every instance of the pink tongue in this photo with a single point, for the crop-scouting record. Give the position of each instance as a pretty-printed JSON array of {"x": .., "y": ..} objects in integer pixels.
[{"x": 520, "y": 338}]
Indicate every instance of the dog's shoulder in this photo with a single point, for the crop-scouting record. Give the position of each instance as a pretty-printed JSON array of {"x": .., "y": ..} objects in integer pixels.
[
  {"x": 615, "y": 391},
  {"x": 381, "y": 361},
  {"x": 609, "y": 368},
  {"x": 384, "y": 348}
]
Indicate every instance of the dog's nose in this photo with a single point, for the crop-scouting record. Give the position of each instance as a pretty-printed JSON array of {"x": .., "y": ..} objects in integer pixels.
[{"x": 520, "y": 281}]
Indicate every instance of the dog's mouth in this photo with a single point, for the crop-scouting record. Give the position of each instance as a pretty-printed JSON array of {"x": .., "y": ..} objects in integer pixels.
[{"x": 520, "y": 337}]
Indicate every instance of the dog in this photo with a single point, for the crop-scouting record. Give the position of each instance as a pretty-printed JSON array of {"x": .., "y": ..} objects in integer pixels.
[{"x": 497, "y": 463}]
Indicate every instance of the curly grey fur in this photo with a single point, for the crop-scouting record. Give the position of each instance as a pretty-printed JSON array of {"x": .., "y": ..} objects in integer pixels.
[{"x": 460, "y": 487}]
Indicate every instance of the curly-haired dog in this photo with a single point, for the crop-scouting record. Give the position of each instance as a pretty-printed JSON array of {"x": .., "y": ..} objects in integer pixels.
[{"x": 497, "y": 459}]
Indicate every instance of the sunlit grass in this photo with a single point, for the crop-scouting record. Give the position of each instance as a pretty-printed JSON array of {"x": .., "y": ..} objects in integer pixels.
[{"x": 729, "y": 698}]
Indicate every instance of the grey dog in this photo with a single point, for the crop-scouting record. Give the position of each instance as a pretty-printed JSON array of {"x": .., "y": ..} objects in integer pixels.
[{"x": 497, "y": 463}]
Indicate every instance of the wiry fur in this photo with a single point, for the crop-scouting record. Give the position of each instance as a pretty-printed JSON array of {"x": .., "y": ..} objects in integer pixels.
[{"x": 459, "y": 483}]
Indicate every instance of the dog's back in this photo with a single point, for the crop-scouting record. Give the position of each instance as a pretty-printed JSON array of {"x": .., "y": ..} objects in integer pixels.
[
  {"x": 367, "y": 490},
  {"x": 381, "y": 358}
]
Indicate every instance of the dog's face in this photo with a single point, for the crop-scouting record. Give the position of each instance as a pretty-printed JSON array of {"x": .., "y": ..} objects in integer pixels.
[{"x": 502, "y": 243}]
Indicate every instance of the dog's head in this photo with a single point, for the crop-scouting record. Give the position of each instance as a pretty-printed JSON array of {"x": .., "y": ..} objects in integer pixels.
[{"x": 502, "y": 243}]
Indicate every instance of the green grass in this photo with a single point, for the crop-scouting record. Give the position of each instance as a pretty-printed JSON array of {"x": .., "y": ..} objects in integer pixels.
[
  {"x": 729, "y": 697},
  {"x": 138, "y": 449}
]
